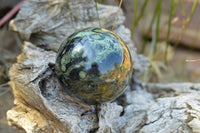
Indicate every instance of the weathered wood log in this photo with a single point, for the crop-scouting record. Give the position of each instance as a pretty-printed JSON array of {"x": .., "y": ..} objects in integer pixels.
[{"x": 42, "y": 107}]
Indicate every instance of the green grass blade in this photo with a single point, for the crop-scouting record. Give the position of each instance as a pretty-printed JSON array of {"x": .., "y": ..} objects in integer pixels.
[
  {"x": 157, "y": 15},
  {"x": 176, "y": 6},
  {"x": 192, "y": 12},
  {"x": 183, "y": 8},
  {"x": 150, "y": 28},
  {"x": 135, "y": 17},
  {"x": 68, "y": 6},
  {"x": 156, "y": 70},
  {"x": 97, "y": 13},
  {"x": 120, "y": 4},
  {"x": 101, "y": 1},
  {"x": 142, "y": 10},
  {"x": 169, "y": 29},
  {"x": 187, "y": 21},
  {"x": 155, "y": 38}
]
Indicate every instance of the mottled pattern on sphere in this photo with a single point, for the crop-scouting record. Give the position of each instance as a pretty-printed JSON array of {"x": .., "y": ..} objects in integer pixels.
[{"x": 93, "y": 65}]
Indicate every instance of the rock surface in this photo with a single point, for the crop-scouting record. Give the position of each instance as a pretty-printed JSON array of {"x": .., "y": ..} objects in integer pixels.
[
  {"x": 45, "y": 19},
  {"x": 42, "y": 107}
]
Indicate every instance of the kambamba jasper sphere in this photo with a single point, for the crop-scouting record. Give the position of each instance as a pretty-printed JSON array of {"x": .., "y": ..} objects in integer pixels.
[{"x": 93, "y": 65}]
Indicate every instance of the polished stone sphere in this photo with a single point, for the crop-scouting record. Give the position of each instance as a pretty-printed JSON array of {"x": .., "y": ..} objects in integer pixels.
[{"x": 93, "y": 65}]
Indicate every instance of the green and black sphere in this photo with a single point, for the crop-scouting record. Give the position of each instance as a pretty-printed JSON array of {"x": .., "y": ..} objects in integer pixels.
[{"x": 93, "y": 65}]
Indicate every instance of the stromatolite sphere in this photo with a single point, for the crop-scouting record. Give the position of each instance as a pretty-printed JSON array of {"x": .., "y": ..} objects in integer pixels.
[{"x": 93, "y": 65}]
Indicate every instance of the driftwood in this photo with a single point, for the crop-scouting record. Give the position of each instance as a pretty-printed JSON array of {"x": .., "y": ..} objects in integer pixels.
[{"x": 42, "y": 107}]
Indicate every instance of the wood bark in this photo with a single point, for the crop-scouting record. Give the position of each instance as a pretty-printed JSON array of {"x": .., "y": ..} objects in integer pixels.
[{"x": 42, "y": 107}]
